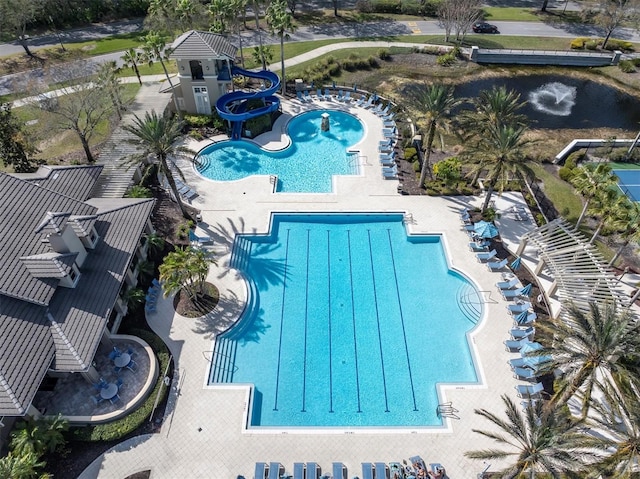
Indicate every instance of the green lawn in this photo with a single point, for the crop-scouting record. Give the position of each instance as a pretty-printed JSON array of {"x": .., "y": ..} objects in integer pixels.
[
  {"x": 116, "y": 43},
  {"x": 511, "y": 14},
  {"x": 561, "y": 194}
]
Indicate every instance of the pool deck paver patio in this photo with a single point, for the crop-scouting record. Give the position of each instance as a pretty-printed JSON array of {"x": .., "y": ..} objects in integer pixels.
[{"x": 203, "y": 436}]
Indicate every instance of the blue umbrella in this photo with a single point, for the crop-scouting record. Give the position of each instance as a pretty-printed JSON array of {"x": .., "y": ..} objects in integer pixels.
[
  {"x": 522, "y": 316},
  {"x": 515, "y": 264},
  {"x": 485, "y": 229},
  {"x": 526, "y": 290}
]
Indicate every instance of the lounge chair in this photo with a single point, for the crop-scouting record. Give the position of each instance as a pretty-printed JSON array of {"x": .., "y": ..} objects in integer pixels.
[
  {"x": 508, "y": 284},
  {"x": 327, "y": 94},
  {"x": 478, "y": 247},
  {"x": 340, "y": 95},
  {"x": 529, "y": 319},
  {"x": 260, "y": 472},
  {"x": 369, "y": 103},
  {"x": 529, "y": 403},
  {"x": 338, "y": 471},
  {"x": 529, "y": 390},
  {"x": 389, "y": 132},
  {"x": 298, "y": 470},
  {"x": 389, "y": 124},
  {"x": 437, "y": 469},
  {"x": 524, "y": 373},
  {"x": 518, "y": 362},
  {"x": 381, "y": 470},
  {"x": 367, "y": 470},
  {"x": 383, "y": 113},
  {"x": 511, "y": 293},
  {"x": 390, "y": 173},
  {"x": 149, "y": 309},
  {"x": 519, "y": 333},
  {"x": 377, "y": 109},
  {"x": 360, "y": 101},
  {"x": 274, "y": 470},
  {"x": 307, "y": 97},
  {"x": 388, "y": 156},
  {"x": 199, "y": 240},
  {"x": 519, "y": 307},
  {"x": 319, "y": 94},
  {"x": 389, "y": 117},
  {"x": 347, "y": 97},
  {"x": 515, "y": 345},
  {"x": 388, "y": 162},
  {"x": 497, "y": 265},
  {"x": 313, "y": 471},
  {"x": 486, "y": 256},
  {"x": 299, "y": 96},
  {"x": 419, "y": 465}
]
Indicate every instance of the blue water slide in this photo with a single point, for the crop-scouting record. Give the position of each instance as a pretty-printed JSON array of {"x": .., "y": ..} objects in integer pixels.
[{"x": 238, "y": 100}]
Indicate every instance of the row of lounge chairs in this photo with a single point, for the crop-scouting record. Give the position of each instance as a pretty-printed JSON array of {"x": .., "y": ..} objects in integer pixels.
[{"x": 301, "y": 470}]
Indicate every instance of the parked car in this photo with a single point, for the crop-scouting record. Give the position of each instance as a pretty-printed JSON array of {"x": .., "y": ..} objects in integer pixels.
[{"x": 483, "y": 27}]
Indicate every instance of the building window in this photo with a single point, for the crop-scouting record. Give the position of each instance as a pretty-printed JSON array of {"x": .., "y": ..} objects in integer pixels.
[{"x": 196, "y": 70}]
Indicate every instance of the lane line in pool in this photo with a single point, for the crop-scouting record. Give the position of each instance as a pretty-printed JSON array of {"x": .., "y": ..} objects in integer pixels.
[
  {"x": 329, "y": 296},
  {"x": 375, "y": 302},
  {"x": 284, "y": 290},
  {"x": 404, "y": 332},
  {"x": 353, "y": 319},
  {"x": 306, "y": 317}
]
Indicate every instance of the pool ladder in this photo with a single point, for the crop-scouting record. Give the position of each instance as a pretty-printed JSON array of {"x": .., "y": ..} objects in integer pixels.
[
  {"x": 273, "y": 179},
  {"x": 447, "y": 410}
]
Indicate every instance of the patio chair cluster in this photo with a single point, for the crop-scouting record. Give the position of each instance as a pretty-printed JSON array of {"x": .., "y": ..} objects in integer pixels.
[
  {"x": 198, "y": 241},
  {"x": 185, "y": 191},
  {"x": 123, "y": 360},
  {"x": 301, "y": 470},
  {"x": 107, "y": 391},
  {"x": 519, "y": 213},
  {"x": 151, "y": 298}
]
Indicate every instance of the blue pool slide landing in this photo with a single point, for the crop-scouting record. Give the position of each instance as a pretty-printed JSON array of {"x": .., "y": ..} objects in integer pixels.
[{"x": 240, "y": 98}]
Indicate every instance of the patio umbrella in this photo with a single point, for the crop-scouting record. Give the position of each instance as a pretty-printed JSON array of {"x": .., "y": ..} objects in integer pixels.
[
  {"x": 484, "y": 229},
  {"x": 522, "y": 316},
  {"x": 526, "y": 290},
  {"x": 515, "y": 264}
]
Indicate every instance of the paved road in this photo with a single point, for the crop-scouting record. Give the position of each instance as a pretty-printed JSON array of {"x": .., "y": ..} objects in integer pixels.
[{"x": 11, "y": 83}]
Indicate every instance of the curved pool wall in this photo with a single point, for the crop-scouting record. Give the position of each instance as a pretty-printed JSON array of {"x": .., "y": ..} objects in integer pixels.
[
  {"x": 338, "y": 301},
  {"x": 307, "y": 165},
  {"x": 558, "y": 101}
]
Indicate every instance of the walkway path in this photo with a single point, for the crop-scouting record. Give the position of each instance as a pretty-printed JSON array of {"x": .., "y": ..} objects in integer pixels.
[{"x": 116, "y": 174}]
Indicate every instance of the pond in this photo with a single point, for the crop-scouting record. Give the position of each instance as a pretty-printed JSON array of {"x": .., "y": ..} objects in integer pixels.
[{"x": 556, "y": 101}]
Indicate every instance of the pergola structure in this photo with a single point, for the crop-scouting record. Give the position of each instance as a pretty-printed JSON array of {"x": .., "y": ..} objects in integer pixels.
[{"x": 580, "y": 273}]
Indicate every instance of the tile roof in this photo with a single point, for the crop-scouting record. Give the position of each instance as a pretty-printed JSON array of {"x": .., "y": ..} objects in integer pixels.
[
  {"x": 49, "y": 265},
  {"x": 25, "y": 205},
  {"x": 73, "y": 181},
  {"x": 65, "y": 335},
  {"x": 201, "y": 46}
]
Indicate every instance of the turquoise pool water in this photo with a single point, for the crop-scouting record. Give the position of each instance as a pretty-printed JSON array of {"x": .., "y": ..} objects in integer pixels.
[
  {"x": 351, "y": 323},
  {"x": 306, "y": 166}
]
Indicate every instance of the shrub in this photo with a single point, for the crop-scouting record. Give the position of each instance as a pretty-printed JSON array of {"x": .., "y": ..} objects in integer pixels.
[
  {"x": 196, "y": 135},
  {"x": 197, "y": 121},
  {"x": 591, "y": 45},
  {"x": 575, "y": 158},
  {"x": 446, "y": 60},
  {"x": 416, "y": 166},
  {"x": 540, "y": 219},
  {"x": 578, "y": 43},
  {"x": 410, "y": 154},
  {"x": 635, "y": 61},
  {"x": 565, "y": 173},
  {"x": 411, "y": 7},
  {"x": 138, "y": 191},
  {"x": 121, "y": 427},
  {"x": 383, "y": 54},
  {"x": 259, "y": 124},
  {"x": 373, "y": 62},
  {"x": 627, "y": 66},
  {"x": 385, "y": 6},
  {"x": 615, "y": 44}
]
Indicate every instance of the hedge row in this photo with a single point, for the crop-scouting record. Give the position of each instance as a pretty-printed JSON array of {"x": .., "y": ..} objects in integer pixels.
[
  {"x": 588, "y": 43},
  {"x": 126, "y": 425},
  {"x": 428, "y": 8}
]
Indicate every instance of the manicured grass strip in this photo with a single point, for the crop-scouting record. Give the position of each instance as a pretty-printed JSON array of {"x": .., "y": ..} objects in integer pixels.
[
  {"x": 511, "y": 14},
  {"x": 561, "y": 194},
  {"x": 116, "y": 43}
]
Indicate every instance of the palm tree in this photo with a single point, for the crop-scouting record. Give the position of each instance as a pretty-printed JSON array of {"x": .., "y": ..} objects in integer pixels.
[
  {"x": 541, "y": 441},
  {"x": 494, "y": 107},
  {"x": 38, "y": 436},
  {"x": 589, "y": 347},
  {"x": 608, "y": 206},
  {"x": 618, "y": 416},
  {"x": 157, "y": 136},
  {"x": 132, "y": 58},
  {"x": 155, "y": 242},
  {"x": 186, "y": 270},
  {"x": 281, "y": 23},
  {"x": 589, "y": 180},
  {"x": 435, "y": 102},
  {"x": 134, "y": 298},
  {"x": 628, "y": 224},
  {"x": 499, "y": 152},
  {"x": 155, "y": 49}
]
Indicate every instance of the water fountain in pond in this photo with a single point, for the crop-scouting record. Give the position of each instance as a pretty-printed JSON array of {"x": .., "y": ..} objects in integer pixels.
[{"x": 554, "y": 98}]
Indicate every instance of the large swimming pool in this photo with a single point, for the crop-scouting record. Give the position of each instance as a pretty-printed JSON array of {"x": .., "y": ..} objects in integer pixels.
[
  {"x": 307, "y": 165},
  {"x": 351, "y": 322}
]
